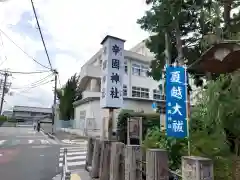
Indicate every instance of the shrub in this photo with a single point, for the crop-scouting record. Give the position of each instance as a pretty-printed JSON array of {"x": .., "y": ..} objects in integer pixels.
[
  {"x": 3, "y": 118},
  {"x": 176, "y": 148},
  {"x": 149, "y": 120}
]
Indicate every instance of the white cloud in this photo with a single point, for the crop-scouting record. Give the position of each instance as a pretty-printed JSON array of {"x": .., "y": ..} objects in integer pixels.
[{"x": 75, "y": 26}]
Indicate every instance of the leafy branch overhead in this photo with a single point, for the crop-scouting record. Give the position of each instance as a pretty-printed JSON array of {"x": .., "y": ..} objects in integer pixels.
[
  {"x": 67, "y": 95},
  {"x": 195, "y": 20}
]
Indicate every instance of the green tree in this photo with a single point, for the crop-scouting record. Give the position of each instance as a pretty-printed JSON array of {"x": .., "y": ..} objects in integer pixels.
[
  {"x": 214, "y": 123},
  {"x": 189, "y": 24},
  {"x": 67, "y": 95}
]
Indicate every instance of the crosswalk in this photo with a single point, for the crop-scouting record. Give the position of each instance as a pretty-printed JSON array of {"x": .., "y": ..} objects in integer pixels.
[
  {"x": 76, "y": 157},
  {"x": 4, "y": 142},
  {"x": 80, "y": 142}
]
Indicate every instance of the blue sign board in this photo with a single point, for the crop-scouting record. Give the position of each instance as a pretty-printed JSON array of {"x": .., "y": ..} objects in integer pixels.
[
  {"x": 154, "y": 105},
  {"x": 176, "y": 102}
]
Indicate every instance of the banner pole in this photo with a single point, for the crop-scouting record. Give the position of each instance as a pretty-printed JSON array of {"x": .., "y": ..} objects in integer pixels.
[{"x": 187, "y": 109}]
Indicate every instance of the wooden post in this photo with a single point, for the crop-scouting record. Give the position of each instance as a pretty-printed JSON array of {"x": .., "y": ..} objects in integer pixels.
[
  {"x": 197, "y": 168},
  {"x": 89, "y": 153},
  {"x": 96, "y": 159},
  {"x": 105, "y": 160},
  {"x": 132, "y": 154},
  {"x": 110, "y": 124},
  {"x": 157, "y": 164},
  {"x": 117, "y": 161}
]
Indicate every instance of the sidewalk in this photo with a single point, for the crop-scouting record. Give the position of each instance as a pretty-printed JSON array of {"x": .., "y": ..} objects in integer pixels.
[
  {"x": 76, "y": 175},
  {"x": 61, "y": 135}
]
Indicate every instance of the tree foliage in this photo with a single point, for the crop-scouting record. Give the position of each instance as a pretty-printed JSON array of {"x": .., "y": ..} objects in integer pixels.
[
  {"x": 215, "y": 131},
  {"x": 195, "y": 20},
  {"x": 67, "y": 95}
]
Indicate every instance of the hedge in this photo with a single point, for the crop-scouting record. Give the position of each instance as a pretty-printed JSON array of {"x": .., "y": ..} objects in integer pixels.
[{"x": 149, "y": 121}]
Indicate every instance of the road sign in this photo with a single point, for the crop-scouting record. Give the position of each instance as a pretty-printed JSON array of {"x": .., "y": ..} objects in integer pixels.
[{"x": 176, "y": 105}]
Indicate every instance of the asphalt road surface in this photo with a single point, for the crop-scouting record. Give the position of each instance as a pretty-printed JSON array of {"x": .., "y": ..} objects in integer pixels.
[{"x": 27, "y": 155}]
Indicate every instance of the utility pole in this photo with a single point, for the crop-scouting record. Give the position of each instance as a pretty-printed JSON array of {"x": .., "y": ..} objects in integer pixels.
[
  {"x": 54, "y": 100},
  {"x": 3, "y": 90}
]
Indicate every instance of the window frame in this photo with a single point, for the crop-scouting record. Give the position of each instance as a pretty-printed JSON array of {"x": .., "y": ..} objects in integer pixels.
[
  {"x": 125, "y": 91},
  {"x": 140, "y": 92}
]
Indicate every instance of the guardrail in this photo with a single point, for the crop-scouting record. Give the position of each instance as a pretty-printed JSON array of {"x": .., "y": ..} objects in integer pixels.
[{"x": 66, "y": 174}]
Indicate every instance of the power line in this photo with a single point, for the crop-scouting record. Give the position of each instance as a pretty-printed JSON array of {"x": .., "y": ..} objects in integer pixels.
[
  {"x": 36, "y": 82},
  {"x": 24, "y": 51},
  {"x": 24, "y": 91},
  {"x": 22, "y": 72},
  {"x": 5, "y": 59},
  {"x": 40, "y": 31}
]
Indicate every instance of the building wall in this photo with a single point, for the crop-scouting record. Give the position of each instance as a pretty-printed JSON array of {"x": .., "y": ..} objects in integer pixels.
[{"x": 100, "y": 116}]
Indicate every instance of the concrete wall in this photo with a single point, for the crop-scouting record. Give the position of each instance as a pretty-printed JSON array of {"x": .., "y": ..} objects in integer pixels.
[{"x": 98, "y": 115}]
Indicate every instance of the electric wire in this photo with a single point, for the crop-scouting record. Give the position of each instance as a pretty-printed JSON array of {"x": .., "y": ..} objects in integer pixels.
[
  {"x": 5, "y": 57},
  {"x": 26, "y": 90},
  {"x": 36, "y": 82},
  {"x": 40, "y": 31},
  {"x": 22, "y": 72},
  {"x": 23, "y": 50}
]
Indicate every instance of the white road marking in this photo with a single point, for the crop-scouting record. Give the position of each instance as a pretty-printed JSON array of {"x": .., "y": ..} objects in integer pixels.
[
  {"x": 74, "y": 153},
  {"x": 74, "y": 158},
  {"x": 72, "y": 150},
  {"x": 71, "y": 147},
  {"x": 43, "y": 141},
  {"x": 78, "y": 163},
  {"x": 30, "y": 141},
  {"x": 2, "y": 141},
  {"x": 1, "y": 155}
]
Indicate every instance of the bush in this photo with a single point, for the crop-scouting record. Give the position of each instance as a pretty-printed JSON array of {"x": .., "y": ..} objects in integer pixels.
[
  {"x": 176, "y": 148},
  {"x": 3, "y": 118},
  {"x": 149, "y": 121}
]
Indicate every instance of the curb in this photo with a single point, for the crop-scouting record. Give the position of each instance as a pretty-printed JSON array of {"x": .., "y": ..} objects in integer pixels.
[{"x": 48, "y": 134}]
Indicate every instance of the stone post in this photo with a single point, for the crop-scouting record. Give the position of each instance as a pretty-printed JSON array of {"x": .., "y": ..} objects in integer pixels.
[
  {"x": 157, "y": 164},
  {"x": 197, "y": 168},
  {"x": 117, "y": 161},
  {"x": 96, "y": 159},
  {"x": 89, "y": 153},
  {"x": 105, "y": 160},
  {"x": 133, "y": 154}
]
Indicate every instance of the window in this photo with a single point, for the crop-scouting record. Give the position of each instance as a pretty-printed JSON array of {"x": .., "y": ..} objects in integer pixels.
[
  {"x": 140, "y": 92},
  {"x": 157, "y": 95},
  {"x": 82, "y": 115},
  {"x": 136, "y": 69},
  {"x": 144, "y": 70},
  {"x": 125, "y": 90},
  {"x": 125, "y": 67},
  {"x": 140, "y": 70}
]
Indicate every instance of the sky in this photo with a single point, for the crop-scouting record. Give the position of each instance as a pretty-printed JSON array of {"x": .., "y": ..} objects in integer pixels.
[{"x": 72, "y": 31}]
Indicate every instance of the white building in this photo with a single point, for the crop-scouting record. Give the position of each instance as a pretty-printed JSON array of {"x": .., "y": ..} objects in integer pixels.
[
  {"x": 27, "y": 113},
  {"x": 139, "y": 90}
]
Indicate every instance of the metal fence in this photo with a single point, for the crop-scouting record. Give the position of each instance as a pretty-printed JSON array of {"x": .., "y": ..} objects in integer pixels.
[{"x": 65, "y": 124}]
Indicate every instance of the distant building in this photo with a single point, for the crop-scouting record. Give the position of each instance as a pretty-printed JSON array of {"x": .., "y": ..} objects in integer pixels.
[
  {"x": 7, "y": 113},
  {"x": 27, "y": 113}
]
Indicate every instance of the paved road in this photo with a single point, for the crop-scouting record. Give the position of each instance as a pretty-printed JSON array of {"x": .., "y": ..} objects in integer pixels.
[{"x": 27, "y": 155}]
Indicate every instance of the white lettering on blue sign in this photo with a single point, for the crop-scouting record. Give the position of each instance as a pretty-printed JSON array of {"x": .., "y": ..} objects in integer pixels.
[
  {"x": 176, "y": 92},
  {"x": 176, "y": 109},
  {"x": 175, "y": 77},
  {"x": 177, "y": 126}
]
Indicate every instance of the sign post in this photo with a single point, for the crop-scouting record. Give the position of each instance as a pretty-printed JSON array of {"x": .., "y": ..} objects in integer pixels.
[
  {"x": 176, "y": 103},
  {"x": 112, "y": 80}
]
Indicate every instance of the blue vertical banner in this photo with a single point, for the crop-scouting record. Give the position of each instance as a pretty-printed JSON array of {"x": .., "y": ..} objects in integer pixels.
[{"x": 176, "y": 102}]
